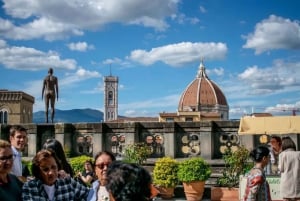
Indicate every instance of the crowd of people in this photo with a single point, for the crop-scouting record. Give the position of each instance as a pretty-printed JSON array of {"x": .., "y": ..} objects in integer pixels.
[
  {"x": 106, "y": 179},
  {"x": 283, "y": 159},
  {"x": 53, "y": 178}
]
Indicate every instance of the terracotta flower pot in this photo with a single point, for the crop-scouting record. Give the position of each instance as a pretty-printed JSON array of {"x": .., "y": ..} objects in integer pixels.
[
  {"x": 224, "y": 194},
  {"x": 194, "y": 190},
  {"x": 166, "y": 193}
]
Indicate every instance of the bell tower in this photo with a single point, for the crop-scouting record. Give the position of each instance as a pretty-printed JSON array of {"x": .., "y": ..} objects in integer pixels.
[{"x": 110, "y": 98}]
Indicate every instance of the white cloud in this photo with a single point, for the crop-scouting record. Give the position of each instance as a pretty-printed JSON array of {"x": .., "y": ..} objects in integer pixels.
[
  {"x": 2, "y": 43},
  {"x": 117, "y": 61},
  {"x": 217, "y": 71},
  {"x": 274, "y": 33},
  {"x": 80, "y": 75},
  {"x": 24, "y": 58},
  {"x": 57, "y": 19},
  {"x": 183, "y": 19},
  {"x": 281, "y": 76},
  {"x": 180, "y": 53},
  {"x": 202, "y": 9},
  {"x": 39, "y": 28},
  {"x": 80, "y": 46}
]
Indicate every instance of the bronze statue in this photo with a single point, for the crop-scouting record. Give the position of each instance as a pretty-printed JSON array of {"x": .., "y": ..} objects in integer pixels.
[{"x": 50, "y": 90}]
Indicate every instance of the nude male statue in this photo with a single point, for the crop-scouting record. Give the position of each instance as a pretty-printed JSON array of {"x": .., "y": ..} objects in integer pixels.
[{"x": 50, "y": 90}]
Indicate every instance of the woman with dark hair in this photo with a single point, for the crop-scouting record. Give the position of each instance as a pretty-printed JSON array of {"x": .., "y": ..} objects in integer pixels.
[
  {"x": 46, "y": 185},
  {"x": 87, "y": 176},
  {"x": 275, "y": 149},
  {"x": 98, "y": 191},
  {"x": 289, "y": 166},
  {"x": 257, "y": 187},
  {"x": 128, "y": 182},
  {"x": 57, "y": 147}
]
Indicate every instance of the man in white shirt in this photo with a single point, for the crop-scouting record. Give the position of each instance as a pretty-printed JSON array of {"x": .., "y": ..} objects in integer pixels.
[{"x": 18, "y": 140}]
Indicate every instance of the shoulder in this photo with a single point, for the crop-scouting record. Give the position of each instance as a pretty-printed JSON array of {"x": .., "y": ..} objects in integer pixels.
[
  {"x": 256, "y": 176},
  {"x": 64, "y": 181},
  {"x": 95, "y": 184},
  {"x": 12, "y": 177},
  {"x": 33, "y": 182},
  {"x": 67, "y": 181},
  {"x": 15, "y": 179},
  {"x": 32, "y": 186}
]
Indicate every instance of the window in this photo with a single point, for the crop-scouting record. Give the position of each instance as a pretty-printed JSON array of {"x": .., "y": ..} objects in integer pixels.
[
  {"x": 112, "y": 115},
  {"x": 189, "y": 119},
  {"x": 3, "y": 116},
  {"x": 169, "y": 119},
  {"x": 110, "y": 98}
]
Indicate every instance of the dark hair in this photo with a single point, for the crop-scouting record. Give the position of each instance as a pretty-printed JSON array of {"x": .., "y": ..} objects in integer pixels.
[
  {"x": 288, "y": 143},
  {"x": 128, "y": 182},
  {"x": 110, "y": 154},
  {"x": 42, "y": 155},
  {"x": 57, "y": 147},
  {"x": 277, "y": 138},
  {"x": 259, "y": 152},
  {"x": 90, "y": 162},
  {"x": 14, "y": 129}
]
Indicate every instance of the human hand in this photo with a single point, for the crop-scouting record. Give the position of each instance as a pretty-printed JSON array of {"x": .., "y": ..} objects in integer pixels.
[{"x": 62, "y": 174}]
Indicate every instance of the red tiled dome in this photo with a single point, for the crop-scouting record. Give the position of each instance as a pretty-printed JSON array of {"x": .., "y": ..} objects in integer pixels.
[{"x": 201, "y": 92}]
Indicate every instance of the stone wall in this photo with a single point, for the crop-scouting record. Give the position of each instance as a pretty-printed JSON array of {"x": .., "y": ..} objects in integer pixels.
[{"x": 176, "y": 139}]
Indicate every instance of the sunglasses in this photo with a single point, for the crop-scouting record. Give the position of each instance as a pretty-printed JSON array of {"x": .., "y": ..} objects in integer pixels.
[{"x": 102, "y": 165}]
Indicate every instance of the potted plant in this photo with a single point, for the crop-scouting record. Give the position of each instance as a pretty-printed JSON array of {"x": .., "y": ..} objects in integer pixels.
[
  {"x": 165, "y": 176},
  {"x": 193, "y": 173},
  {"x": 236, "y": 164}
]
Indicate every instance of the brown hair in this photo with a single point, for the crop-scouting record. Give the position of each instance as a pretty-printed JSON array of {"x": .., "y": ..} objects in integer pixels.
[
  {"x": 277, "y": 138},
  {"x": 14, "y": 129},
  {"x": 42, "y": 155},
  {"x": 4, "y": 144}
]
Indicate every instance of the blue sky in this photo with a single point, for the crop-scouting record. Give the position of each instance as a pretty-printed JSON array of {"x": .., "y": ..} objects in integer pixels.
[{"x": 250, "y": 49}]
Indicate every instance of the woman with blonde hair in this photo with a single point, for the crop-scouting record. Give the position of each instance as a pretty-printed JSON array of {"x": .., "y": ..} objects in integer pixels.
[{"x": 10, "y": 185}]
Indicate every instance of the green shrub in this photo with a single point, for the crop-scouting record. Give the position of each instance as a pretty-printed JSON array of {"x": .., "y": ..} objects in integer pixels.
[
  {"x": 193, "y": 169},
  {"x": 165, "y": 172},
  {"x": 236, "y": 164},
  {"x": 136, "y": 153},
  {"x": 77, "y": 163}
]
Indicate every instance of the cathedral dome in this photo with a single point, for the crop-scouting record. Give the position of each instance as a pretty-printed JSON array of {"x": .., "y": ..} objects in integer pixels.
[{"x": 203, "y": 95}]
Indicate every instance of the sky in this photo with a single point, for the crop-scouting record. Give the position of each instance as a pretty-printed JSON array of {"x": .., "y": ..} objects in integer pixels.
[{"x": 250, "y": 48}]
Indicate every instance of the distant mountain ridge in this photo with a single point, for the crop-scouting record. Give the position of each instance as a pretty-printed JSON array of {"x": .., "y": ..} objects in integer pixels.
[{"x": 70, "y": 116}]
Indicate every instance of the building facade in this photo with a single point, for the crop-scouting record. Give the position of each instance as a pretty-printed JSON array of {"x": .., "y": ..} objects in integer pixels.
[{"x": 16, "y": 107}]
